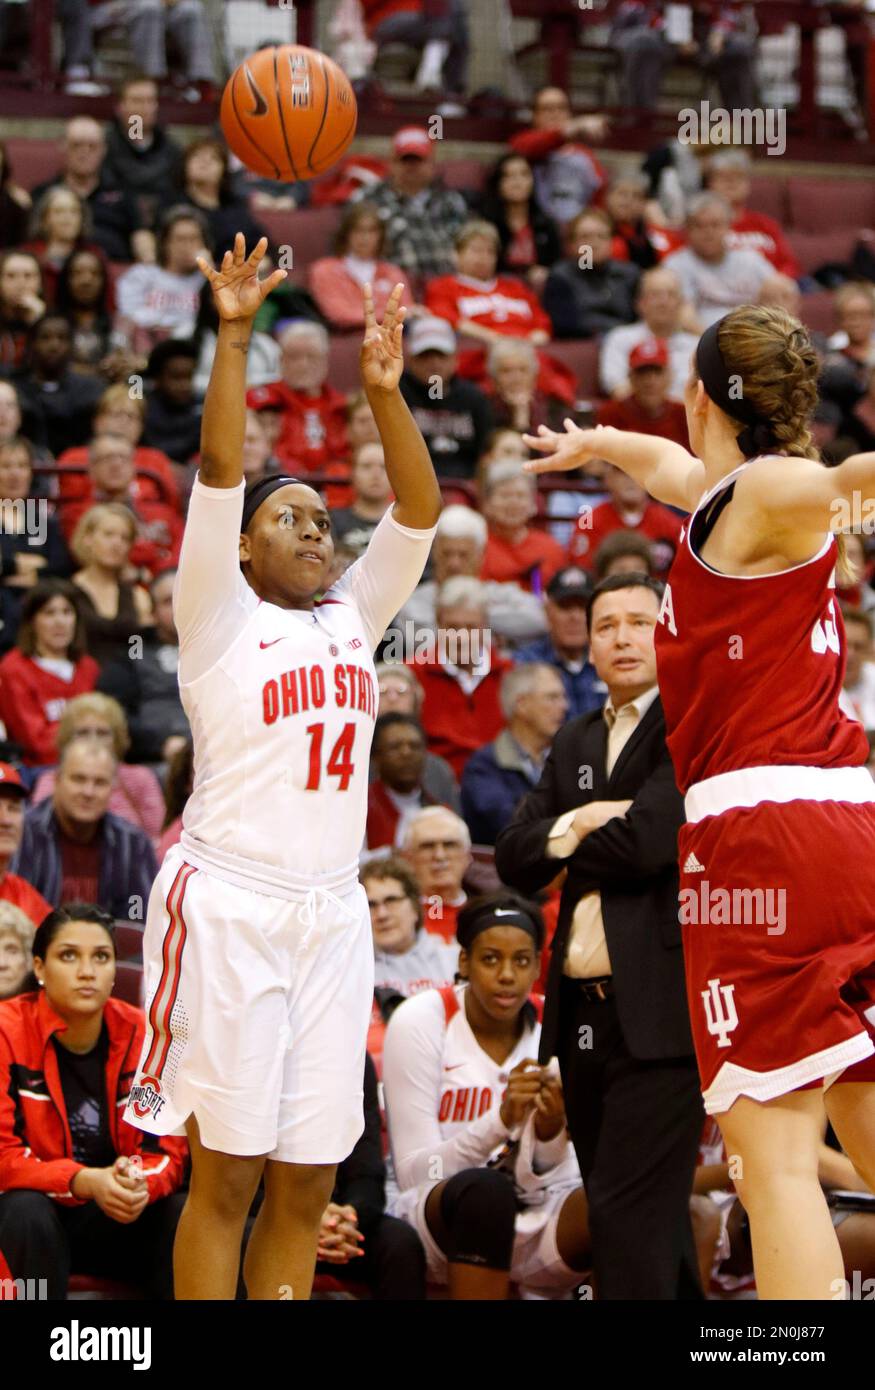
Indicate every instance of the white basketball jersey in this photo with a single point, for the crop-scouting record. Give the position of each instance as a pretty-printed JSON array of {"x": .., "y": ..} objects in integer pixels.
[{"x": 282, "y": 702}]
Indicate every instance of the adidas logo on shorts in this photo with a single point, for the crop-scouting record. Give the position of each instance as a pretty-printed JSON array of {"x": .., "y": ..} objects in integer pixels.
[{"x": 692, "y": 865}]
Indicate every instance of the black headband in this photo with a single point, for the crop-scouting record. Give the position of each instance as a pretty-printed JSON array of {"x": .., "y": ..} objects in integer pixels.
[
  {"x": 259, "y": 491},
  {"x": 720, "y": 386},
  {"x": 481, "y": 919}
]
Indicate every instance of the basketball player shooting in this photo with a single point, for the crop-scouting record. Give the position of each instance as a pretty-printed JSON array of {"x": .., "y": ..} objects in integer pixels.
[
  {"x": 258, "y": 951},
  {"x": 776, "y": 852}
]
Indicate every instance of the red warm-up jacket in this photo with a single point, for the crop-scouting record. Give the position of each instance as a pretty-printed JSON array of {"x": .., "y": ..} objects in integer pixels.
[
  {"x": 32, "y": 701},
  {"x": 35, "y": 1143},
  {"x": 313, "y": 433},
  {"x": 455, "y": 723}
]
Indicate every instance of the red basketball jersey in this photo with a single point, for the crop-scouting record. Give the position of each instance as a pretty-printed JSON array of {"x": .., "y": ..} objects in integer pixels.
[{"x": 750, "y": 669}]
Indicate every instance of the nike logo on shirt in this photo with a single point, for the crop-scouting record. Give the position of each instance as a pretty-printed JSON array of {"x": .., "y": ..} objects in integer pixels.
[{"x": 262, "y": 645}]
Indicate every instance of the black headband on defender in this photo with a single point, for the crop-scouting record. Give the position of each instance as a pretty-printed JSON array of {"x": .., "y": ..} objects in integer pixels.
[
  {"x": 717, "y": 381},
  {"x": 259, "y": 491},
  {"x": 470, "y": 925}
]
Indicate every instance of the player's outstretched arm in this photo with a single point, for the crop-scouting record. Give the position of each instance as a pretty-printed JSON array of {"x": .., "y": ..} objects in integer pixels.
[
  {"x": 810, "y": 497},
  {"x": 665, "y": 469},
  {"x": 238, "y": 295},
  {"x": 408, "y": 463}
]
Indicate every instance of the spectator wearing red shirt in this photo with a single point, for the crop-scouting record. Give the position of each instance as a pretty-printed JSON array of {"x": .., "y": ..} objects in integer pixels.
[
  {"x": 46, "y": 669},
  {"x": 112, "y": 476},
  {"x": 568, "y": 177},
  {"x": 312, "y": 431},
  {"x": 461, "y": 709},
  {"x": 120, "y": 413},
  {"x": 728, "y": 175},
  {"x": 514, "y": 552},
  {"x": 13, "y": 888},
  {"x": 437, "y": 845},
  {"x": 479, "y": 303},
  {"x": 336, "y": 282},
  {"x": 397, "y": 792},
  {"x": 629, "y": 508},
  {"x": 634, "y": 238},
  {"x": 648, "y": 408}
]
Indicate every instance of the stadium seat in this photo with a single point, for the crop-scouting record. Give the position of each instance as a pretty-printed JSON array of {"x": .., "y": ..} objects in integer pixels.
[
  {"x": 129, "y": 983},
  {"x": 343, "y": 370},
  {"x": 32, "y": 161},
  {"x": 769, "y": 195},
  {"x": 818, "y": 311},
  {"x": 582, "y": 356},
  {"x": 468, "y": 175},
  {"x": 830, "y": 205},
  {"x": 129, "y": 941},
  {"x": 814, "y": 249},
  {"x": 308, "y": 231}
]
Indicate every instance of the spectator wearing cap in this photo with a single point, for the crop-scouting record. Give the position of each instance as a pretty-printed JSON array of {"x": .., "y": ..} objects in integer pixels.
[
  {"x": 438, "y": 27},
  {"x": 568, "y": 177},
  {"x": 513, "y": 614},
  {"x": 647, "y": 408},
  {"x": 607, "y": 807},
  {"x": 728, "y": 175},
  {"x": 141, "y": 158},
  {"x": 13, "y": 888},
  {"x": 73, "y": 841},
  {"x": 481, "y": 304},
  {"x": 622, "y": 552},
  {"x": 312, "y": 434},
  {"x": 589, "y": 292},
  {"x": 162, "y": 300},
  {"x": 714, "y": 277},
  {"x": 515, "y": 552},
  {"x": 660, "y": 306},
  {"x": 420, "y": 215},
  {"x": 565, "y": 647},
  {"x": 336, "y": 282},
  {"x": 437, "y": 845},
  {"x": 112, "y": 478},
  {"x": 628, "y": 508},
  {"x": 406, "y": 958},
  {"x": 461, "y": 709},
  {"x": 173, "y": 415},
  {"x": 398, "y": 790},
  {"x": 453, "y": 415},
  {"x": 497, "y": 776}
]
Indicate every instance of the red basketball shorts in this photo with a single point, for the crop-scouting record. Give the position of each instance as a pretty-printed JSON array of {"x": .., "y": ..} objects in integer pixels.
[{"x": 777, "y": 906}]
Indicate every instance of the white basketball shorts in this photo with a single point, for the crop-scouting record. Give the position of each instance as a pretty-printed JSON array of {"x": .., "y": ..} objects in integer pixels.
[{"x": 257, "y": 1012}]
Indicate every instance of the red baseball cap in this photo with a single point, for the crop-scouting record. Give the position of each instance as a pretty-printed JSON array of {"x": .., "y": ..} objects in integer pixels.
[
  {"x": 653, "y": 352},
  {"x": 412, "y": 139},
  {"x": 9, "y": 778}
]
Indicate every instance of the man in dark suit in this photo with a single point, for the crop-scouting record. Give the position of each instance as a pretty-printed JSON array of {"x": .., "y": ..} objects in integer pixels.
[{"x": 616, "y": 1014}]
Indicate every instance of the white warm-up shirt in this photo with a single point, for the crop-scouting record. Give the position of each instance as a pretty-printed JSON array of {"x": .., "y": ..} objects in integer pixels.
[
  {"x": 443, "y": 1097},
  {"x": 281, "y": 701}
]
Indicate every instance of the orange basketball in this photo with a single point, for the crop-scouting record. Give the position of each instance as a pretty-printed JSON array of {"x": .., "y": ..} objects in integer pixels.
[{"x": 289, "y": 112}]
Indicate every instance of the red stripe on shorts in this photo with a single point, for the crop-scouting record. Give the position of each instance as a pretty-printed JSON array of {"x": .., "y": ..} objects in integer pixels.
[{"x": 168, "y": 985}]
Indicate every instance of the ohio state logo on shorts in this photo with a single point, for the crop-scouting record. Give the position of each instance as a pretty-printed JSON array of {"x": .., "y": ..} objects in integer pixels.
[{"x": 146, "y": 1097}]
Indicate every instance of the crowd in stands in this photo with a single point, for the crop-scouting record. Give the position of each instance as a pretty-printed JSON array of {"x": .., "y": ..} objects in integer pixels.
[{"x": 106, "y": 340}]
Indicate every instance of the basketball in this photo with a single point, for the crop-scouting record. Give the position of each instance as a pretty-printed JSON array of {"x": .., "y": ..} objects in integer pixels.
[{"x": 289, "y": 112}]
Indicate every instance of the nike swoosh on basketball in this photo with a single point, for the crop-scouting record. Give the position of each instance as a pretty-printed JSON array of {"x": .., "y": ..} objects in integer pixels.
[
  {"x": 262, "y": 645},
  {"x": 260, "y": 108},
  {"x": 455, "y": 1066}
]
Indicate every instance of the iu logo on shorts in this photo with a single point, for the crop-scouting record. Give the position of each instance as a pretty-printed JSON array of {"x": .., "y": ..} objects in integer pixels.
[{"x": 720, "y": 1011}]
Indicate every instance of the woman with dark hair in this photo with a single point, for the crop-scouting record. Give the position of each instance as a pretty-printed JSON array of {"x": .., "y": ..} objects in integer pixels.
[
  {"x": 22, "y": 303},
  {"x": 485, "y": 1168},
  {"x": 206, "y": 186},
  {"x": 15, "y": 204},
  {"x": 336, "y": 281},
  {"x": 83, "y": 294},
  {"x": 81, "y": 1190},
  {"x": 161, "y": 301},
  {"x": 530, "y": 241},
  {"x": 46, "y": 668},
  {"x": 779, "y": 802},
  {"x": 60, "y": 224}
]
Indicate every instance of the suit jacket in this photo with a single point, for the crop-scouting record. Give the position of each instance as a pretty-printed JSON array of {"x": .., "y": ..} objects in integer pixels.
[{"x": 632, "y": 860}]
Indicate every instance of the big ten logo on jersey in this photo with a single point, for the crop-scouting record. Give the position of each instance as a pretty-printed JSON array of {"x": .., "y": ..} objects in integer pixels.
[
  {"x": 825, "y": 633},
  {"x": 666, "y": 612},
  {"x": 463, "y": 1104}
]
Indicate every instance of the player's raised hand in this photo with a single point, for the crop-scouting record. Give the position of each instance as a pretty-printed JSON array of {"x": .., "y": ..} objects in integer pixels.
[
  {"x": 563, "y": 451},
  {"x": 237, "y": 291},
  {"x": 382, "y": 360}
]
